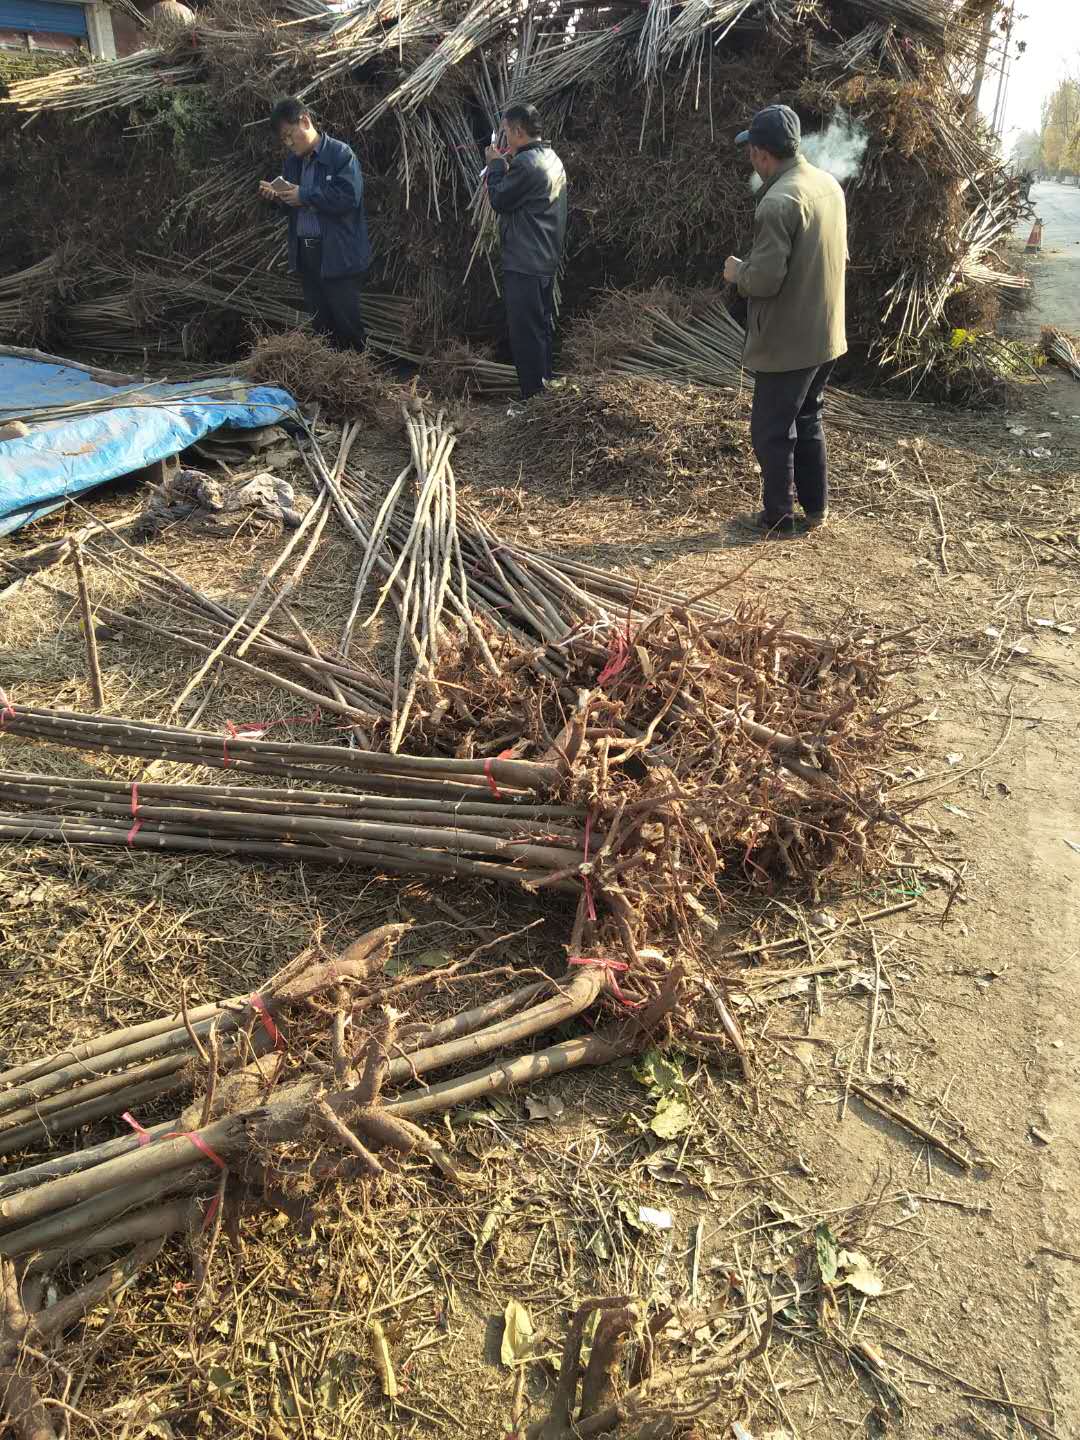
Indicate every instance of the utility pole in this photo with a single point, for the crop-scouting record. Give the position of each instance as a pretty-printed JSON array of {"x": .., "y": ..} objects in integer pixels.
[
  {"x": 980, "y": 61},
  {"x": 998, "y": 107}
]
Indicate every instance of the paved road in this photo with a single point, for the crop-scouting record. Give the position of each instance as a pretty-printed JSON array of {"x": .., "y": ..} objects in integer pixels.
[{"x": 1056, "y": 272}]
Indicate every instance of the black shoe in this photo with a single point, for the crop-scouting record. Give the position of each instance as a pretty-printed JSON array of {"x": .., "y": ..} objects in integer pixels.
[
  {"x": 760, "y": 524},
  {"x": 815, "y": 520}
]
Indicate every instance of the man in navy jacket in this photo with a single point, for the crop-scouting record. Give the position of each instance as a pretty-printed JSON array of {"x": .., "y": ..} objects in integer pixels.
[{"x": 328, "y": 238}]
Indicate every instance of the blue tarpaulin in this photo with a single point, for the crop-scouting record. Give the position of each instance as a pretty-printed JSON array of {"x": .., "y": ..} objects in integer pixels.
[{"x": 64, "y": 457}]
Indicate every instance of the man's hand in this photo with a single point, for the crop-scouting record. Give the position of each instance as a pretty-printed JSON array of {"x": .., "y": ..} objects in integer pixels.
[
  {"x": 731, "y": 269},
  {"x": 493, "y": 153},
  {"x": 290, "y": 195},
  {"x": 267, "y": 191}
]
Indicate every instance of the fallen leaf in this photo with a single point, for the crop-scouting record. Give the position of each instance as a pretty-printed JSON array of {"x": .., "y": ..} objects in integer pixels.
[
  {"x": 859, "y": 1273},
  {"x": 549, "y": 1109},
  {"x": 672, "y": 1117},
  {"x": 432, "y": 959},
  {"x": 655, "y": 1219},
  {"x": 658, "y": 1073},
  {"x": 519, "y": 1337},
  {"x": 828, "y": 1254}
]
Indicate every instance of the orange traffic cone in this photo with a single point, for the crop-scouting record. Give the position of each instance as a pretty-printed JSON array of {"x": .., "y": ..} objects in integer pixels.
[{"x": 1034, "y": 243}]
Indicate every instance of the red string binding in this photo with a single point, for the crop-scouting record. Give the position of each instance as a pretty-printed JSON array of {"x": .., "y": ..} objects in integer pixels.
[
  {"x": 258, "y": 1004},
  {"x": 144, "y": 1135},
  {"x": 200, "y": 1144},
  {"x": 502, "y": 755},
  {"x": 257, "y": 729},
  {"x": 211, "y": 1211},
  {"x": 614, "y": 969},
  {"x": 136, "y": 822}
]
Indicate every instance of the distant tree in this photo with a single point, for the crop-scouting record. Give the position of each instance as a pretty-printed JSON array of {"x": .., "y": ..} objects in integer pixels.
[{"x": 1059, "y": 137}]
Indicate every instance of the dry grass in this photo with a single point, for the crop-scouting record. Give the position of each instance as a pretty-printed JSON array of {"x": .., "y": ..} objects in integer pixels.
[
  {"x": 643, "y": 438},
  {"x": 345, "y": 384}
]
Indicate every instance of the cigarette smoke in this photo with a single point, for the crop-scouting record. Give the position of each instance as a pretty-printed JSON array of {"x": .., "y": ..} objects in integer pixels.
[{"x": 839, "y": 149}]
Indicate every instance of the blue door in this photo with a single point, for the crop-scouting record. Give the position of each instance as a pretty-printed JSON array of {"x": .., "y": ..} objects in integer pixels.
[{"x": 42, "y": 15}]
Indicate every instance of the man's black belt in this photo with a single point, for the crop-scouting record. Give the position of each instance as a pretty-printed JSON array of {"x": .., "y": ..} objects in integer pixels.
[{"x": 310, "y": 239}]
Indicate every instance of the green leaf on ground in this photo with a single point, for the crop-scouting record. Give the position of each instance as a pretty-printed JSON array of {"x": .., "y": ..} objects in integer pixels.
[
  {"x": 828, "y": 1253},
  {"x": 658, "y": 1073},
  {"x": 672, "y": 1117}
]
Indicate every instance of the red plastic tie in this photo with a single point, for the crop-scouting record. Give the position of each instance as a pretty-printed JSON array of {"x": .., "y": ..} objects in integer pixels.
[
  {"x": 200, "y": 1144},
  {"x": 144, "y": 1135},
  {"x": 490, "y": 778},
  {"x": 614, "y": 969},
  {"x": 258, "y": 1004},
  {"x": 503, "y": 755},
  {"x": 233, "y": 731},
  {"x": 8, "y": 712},
  {"x": 257, "y": 729},
  {"x": 618, "y": 655},
  {"x": 590, "y": 904},
  {"x": 136, "y": 822}
]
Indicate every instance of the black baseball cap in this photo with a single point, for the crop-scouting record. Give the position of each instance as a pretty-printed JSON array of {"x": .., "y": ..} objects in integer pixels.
[{"x": 776, "y": 127}]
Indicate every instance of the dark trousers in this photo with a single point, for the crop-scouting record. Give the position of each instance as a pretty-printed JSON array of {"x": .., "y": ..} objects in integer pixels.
[
  {"x": 333, "y": 304},
  {"x": 789, "y": 440},
  {"x": 530, "y": 317}
]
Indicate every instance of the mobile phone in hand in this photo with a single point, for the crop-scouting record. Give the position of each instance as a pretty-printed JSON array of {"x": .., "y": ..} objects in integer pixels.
[{"x": 279, "y": 184}]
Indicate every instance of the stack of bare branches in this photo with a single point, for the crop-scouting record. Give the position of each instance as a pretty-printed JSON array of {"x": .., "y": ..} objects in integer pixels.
[
  {"x": 679, "y": 753},
  {"x": 317, "y": 1077},
  {"x": 1060, "y": 349},
  {"x": 415, "y": 76}
]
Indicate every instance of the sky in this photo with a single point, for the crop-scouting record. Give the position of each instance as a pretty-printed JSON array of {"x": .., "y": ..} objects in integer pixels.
[{"x": 1051, "y": 29}]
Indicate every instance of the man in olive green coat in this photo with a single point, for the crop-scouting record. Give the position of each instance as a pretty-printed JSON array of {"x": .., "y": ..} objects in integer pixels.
[{"x": 794, "y": 282}]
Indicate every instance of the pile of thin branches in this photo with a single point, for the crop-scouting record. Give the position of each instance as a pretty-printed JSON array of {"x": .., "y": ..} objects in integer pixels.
[
  {"x": 90, "y": 90},
  {"x": 346, "y": 385},
  {"x": 693, "y": 745},
  {"x": 1060, "y": 349},
  {"x": 315, "y": 1079},
  {"x": 184, "y": 310},
  {"x": 659, "y": 334},
  {"x": 27, "y": 298},
  {"x": 651, "y": 87},
  {"x": 244, "y": 642}
]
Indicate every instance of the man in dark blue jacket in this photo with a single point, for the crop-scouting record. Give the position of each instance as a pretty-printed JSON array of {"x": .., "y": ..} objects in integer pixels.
[
  {"x": 526, "y": 185},
  {"x": 323, "y": 189}
]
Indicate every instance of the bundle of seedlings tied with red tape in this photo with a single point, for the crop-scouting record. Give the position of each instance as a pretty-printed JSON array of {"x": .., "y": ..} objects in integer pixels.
[{"x": 319, "y": 1077}]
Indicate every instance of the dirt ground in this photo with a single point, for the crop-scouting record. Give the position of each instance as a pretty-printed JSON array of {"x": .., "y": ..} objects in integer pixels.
[{"x": 961, "y": 1008}]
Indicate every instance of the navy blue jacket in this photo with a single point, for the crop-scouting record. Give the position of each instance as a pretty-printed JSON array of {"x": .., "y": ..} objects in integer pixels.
[{"x": 336, "y": 191}]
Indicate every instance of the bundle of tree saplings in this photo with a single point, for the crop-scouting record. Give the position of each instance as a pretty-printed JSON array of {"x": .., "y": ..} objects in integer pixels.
[
  {"x": 249, "y": 750},
  {"x": 672, "y": 757},
  {"x": 319, "y": 1077},
  {"x": 241, "y": 642},
  {"x": 495, "y": 840},
  {"x": 322, "y": 1062}
]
